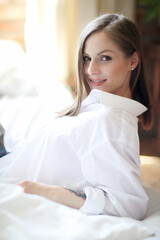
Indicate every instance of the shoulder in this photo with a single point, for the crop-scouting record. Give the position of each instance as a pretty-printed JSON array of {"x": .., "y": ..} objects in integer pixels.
[
  {"x": 117, "y": 126},
  {"x": 112, "y": 116}
]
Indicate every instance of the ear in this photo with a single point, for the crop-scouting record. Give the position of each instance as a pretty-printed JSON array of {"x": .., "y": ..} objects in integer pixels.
[{"x": 134, "y": 60}]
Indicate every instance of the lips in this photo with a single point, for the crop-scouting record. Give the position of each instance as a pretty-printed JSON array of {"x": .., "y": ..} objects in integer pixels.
[{"x": 97, "y": 82}]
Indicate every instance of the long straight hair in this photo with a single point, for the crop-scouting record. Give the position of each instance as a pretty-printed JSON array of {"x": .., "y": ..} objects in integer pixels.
[{"x": 125, "y": 35}]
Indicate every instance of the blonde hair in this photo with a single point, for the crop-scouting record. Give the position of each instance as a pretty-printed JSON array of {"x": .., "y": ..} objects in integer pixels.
[{"x": 125, "y": 35}]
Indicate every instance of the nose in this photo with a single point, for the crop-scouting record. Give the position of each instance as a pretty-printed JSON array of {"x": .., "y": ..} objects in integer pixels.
[{"x": 93, "y": 68}]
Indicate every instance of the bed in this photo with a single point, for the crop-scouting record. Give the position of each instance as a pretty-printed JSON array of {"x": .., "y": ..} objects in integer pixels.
[{"x": 26, "y": 217}]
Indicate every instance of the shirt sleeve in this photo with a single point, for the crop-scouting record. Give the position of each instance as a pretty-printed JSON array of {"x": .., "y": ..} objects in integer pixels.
[{"x": 112, "y": 169}]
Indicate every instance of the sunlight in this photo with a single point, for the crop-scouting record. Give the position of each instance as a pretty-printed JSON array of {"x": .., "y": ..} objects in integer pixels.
[
  {"x": 41, "y": 45},
  {"x": 149, "y": 159}
]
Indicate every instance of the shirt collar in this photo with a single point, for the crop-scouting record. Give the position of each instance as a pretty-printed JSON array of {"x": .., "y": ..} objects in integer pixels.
[{"x": 97, "y": 96}]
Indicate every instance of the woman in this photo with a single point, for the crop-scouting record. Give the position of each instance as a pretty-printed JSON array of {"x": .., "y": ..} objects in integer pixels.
[{"x": 89, "y": 157}]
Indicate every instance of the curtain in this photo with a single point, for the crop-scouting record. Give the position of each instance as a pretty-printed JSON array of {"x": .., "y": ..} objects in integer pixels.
[{"x": 41, "y": 45}]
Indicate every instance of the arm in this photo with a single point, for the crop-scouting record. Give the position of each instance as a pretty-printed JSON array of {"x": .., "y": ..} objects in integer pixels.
[
  {"x": 115, "y": 188},
  {"x": 55, "y": 193},
  {"x": 109, "y": 156}
]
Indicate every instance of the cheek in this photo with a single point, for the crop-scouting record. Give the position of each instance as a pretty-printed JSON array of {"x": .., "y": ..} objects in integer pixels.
[
  {"x": 112, "y": 71},
  {"x": 115, "y": 72},
  {"x": 120, "y": 69}
]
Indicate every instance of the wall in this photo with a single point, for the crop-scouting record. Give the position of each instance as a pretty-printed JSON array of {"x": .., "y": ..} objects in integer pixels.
[{"x": 126, "y": 7}]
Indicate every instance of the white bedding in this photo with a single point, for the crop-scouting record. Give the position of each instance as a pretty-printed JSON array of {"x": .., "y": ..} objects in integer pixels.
[
  {"x": 23, "y": 117},
  {"x": 26, "y": 217}
]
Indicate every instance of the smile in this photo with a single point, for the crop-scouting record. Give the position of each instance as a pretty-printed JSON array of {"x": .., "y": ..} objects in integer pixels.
[{"x": 97, "y": 80}]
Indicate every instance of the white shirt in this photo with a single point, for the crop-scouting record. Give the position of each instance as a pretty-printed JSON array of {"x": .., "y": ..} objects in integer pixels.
[{"x": 96, "y": 152}]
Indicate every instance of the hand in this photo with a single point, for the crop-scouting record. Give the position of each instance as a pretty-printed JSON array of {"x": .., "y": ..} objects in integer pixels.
[
  {"x": 47, "y": 191},
  {"x": 53, "y": 193}
]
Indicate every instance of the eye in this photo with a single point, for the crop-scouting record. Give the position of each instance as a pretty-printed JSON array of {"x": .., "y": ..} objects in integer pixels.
[
  {"x": 106, "y": 58},
  {"x": 86, "y": 59}
]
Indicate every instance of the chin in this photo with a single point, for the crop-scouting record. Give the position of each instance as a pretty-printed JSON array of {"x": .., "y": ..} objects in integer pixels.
[{"x": 100, "y": 88}]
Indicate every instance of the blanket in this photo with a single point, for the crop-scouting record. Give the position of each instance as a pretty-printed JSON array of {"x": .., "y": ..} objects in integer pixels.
[{"x": 26, "y": 217}]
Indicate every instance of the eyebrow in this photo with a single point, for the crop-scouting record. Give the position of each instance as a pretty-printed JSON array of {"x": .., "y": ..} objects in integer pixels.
[
  {"x": 106, "y": 50},
  {"x": 103, "y": 51}
]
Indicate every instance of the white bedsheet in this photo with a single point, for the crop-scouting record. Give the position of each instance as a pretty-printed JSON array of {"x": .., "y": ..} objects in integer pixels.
[
  {"x": 24, "y": 116},
  {"x": 26, "y": 217}
]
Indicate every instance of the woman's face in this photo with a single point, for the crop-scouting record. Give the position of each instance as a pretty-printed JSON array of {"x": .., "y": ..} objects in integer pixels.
[{"x": 105, "y": 66}]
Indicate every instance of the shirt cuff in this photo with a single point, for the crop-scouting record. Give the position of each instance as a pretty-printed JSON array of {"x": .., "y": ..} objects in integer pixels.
[{"x": 95, "y": 201}]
